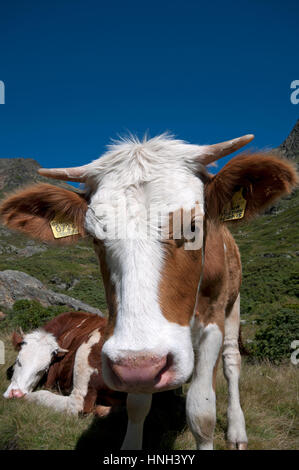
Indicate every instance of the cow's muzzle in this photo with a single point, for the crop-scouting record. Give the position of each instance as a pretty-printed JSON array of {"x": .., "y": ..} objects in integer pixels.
[
  {"x": 138, "y": 373},
  {"x": 16, "y": 393}
]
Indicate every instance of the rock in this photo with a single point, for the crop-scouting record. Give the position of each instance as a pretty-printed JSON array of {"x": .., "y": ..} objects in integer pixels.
[
  {"x": 59, "y": 284},
  {"x": 270, "y": 255},
  {"x": 290, "y": 147},
  {"x": 73, "y": 284},
  {"x": 29, "y": 250},
  {"x": 8, "y": 249},
  {"x": 16, "y": 285}
]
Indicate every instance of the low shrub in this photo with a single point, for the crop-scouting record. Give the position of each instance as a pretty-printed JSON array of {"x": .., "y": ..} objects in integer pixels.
[
  {"x": 276, "y": 328},
  {"x": 30, "y": 314}
]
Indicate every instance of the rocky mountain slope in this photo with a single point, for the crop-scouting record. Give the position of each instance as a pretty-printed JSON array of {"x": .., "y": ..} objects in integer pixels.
[
  {"x": 18, "y": 172},
  {"x": 290, "y": 147},
  {"x": 16, "y": 285}
]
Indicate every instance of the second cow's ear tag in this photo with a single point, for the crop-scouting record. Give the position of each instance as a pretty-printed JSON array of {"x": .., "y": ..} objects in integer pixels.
[
  {"x": 61, "y": 228},
  {"x": 235, "y": 209}
]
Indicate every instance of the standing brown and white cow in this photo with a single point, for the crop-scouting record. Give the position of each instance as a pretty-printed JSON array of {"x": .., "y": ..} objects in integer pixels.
[{"x": 173, "y": 295}]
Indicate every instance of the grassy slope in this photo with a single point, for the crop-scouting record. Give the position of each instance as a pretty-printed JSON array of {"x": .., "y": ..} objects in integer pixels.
[
  {"x": 270, "y": 410},
  {"x": 269, "y": 248}
]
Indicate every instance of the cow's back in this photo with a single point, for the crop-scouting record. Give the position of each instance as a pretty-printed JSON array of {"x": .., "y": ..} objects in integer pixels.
[{"x": 71, "y": 329}]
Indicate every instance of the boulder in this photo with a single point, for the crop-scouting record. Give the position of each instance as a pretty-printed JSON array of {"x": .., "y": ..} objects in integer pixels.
[{"x": 16, "y": 285}]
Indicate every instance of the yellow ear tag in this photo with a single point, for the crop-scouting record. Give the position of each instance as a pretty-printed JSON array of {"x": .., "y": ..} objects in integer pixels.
[
  {"x": 235, "y": 209},
  {"x": 62, "y": 229}
]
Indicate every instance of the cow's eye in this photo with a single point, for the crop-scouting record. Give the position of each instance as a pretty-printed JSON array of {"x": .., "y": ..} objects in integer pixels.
[{"x": 9, "y": 372}]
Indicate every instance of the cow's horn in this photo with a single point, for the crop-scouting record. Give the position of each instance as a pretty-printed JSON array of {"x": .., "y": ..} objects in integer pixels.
[
  {"x": 76, "y": 173},
  {"x": 211, "y": 153}
]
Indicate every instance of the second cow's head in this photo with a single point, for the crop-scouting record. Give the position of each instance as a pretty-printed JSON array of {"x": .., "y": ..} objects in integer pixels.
[{"x": 151, "y": 276}]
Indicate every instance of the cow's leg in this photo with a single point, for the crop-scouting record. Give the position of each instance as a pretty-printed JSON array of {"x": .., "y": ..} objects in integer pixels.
[
  {"x": 138, "y": 407},
  {"x": 69, "y": 404},
  {"x": 201, "y": 397},
  {"x": 236, "y": 434}
]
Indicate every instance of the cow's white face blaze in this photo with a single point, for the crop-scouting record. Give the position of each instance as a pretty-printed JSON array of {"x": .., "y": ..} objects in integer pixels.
[
  {"x": 34, "y": 358},
  {"x": 149, "y": 347}
]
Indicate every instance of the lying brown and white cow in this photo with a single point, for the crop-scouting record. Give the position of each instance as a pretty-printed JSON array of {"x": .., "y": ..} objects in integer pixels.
[
  {"x": 174, "y": 305},
  {"x": 66, "y": 354},
  {"x": 75, "y": 372}
]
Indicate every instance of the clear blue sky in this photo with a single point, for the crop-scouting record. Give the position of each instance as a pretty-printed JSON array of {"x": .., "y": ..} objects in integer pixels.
[{"x": 78, "y": 73}]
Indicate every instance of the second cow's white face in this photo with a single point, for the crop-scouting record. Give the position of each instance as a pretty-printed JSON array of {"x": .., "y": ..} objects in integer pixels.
[
  {"x": 34, "y": 359},
  {"x": 148, "y": 346}
]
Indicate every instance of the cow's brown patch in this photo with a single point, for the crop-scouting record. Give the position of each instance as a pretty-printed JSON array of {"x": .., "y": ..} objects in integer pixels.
[
  {"x": 17, "y": 340},
  {"x": 179, "y": 281},
  {"x": 70, "y": 329},
  {"x": 109, "y": 288},
  {"x": 221, "y": 278},
  {"x": 205, "y": 427}
]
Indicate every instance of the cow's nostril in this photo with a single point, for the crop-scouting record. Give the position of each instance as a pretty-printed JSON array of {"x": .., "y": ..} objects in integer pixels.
[
  {"x": 139, "y": 371},
  {"x": 16, "y": 393}
]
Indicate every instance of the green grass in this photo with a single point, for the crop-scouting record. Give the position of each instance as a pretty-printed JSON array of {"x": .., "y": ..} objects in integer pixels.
[{"x": 269, "y": 397}]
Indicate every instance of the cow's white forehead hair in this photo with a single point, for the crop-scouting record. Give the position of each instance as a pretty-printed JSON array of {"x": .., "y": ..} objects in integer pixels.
[
  {"x": 132, "y": 161},
  {"x": 40, "y": 339},
  {"x": 162, "y": 174}
]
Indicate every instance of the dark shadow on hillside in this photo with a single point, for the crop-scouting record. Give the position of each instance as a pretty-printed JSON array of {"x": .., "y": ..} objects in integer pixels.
[{"x": 165, "y": 421}]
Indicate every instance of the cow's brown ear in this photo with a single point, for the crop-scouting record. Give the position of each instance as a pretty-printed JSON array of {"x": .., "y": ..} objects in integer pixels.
[
  {"x": 35, "y": 210},
  {"x": 17, "y": 339},
  {"x": 262, "y": 177}
]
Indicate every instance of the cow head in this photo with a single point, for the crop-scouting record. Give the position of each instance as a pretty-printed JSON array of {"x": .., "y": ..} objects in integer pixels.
[
  {"x": 36, "y": 352},
  {"x": 151, "y": 266}
]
